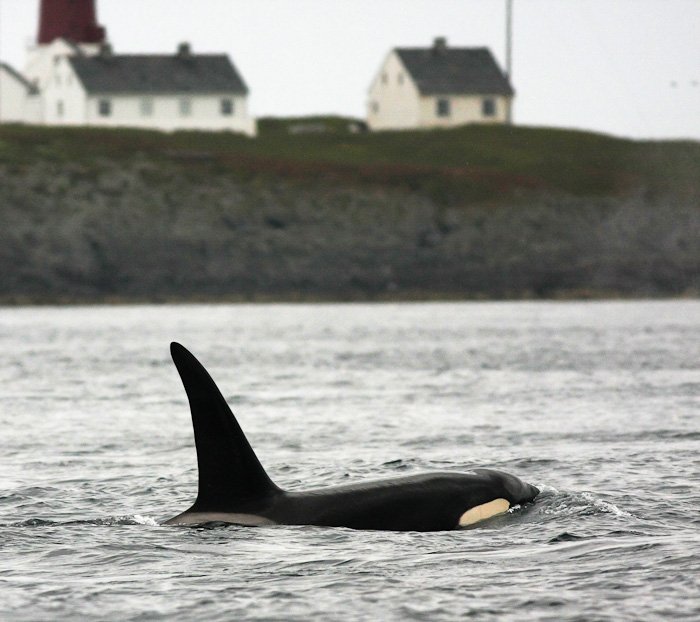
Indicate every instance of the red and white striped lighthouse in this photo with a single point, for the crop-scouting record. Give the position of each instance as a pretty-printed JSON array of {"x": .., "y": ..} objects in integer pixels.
[{"x": 75, "y": 20}]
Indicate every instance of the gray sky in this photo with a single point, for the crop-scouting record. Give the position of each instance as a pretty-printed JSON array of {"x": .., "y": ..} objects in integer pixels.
[{"x": 625, "y": 67}]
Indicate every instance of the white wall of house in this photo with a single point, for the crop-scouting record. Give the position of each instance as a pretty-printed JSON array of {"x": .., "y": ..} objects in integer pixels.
[
  {"x": 33, "y": 109},
  {"x": 18, "y": 104},
  {"x": 64, "y": 98},
  {"x": 13, "y": 98},
  {"x": 461, "y": 109},
  {"x": 41, "y": 59},
  {"x": 170, "y": 112},
  {"x": 393, "y": 101}
]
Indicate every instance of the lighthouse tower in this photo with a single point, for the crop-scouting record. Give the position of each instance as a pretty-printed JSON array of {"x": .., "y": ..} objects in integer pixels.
[
  {"x": 74, "y": 20},
  {"x": 66, "y": 28}
]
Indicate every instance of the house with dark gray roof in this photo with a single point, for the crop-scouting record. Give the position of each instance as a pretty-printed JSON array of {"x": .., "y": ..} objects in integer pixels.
[
  {"x": 438, "y": 86},
  {"x": 72, "y": 77},
  {"x": 166, "y": 92}
]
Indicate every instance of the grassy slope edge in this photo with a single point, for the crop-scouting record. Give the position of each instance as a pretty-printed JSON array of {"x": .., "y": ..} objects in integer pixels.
[{"x": 465, "y": 164}]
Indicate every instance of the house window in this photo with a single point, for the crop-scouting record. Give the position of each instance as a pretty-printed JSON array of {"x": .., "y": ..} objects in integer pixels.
[
  {"x": 59, "y": 108},
  {"x": 375, "y": 107},
  {"x": 488, "y": 107},
  {"x": 185, "y": 107},
  {"x": 400, "y": 78},
  {"x": 442, "y": 108},
  {"x": 227, "y": 107},
  {"x": 146, "y": 107},
  {"x": 385, "y": 78},
  {"x": 104, "y": 107}
]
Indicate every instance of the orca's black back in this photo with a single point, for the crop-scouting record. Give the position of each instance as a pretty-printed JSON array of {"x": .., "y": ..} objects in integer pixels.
[{"x": 423, "y": 502}]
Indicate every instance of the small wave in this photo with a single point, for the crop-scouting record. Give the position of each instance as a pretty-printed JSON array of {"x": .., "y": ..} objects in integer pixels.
[
  {"x": 145, "y": 520},
  {"x": 116, "y": 521},
  {"x": 552, "y": 501},
  {"x": 605, "y": 506},
  {"x": 107, "y": 521},
  {"x": 210, "y": 525},
  {"x": 534, "y": 462},
  {"x": 565, "y": 537},
  {"x": 399, "y": 464},
  {"x": 34, "y": 522}
]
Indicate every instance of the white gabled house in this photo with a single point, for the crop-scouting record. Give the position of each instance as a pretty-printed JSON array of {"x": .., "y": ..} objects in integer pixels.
[
  {"x": 166, "y": 92},
  {"x": 72, "y": 77},
  {"x": 438, "y": 86}
]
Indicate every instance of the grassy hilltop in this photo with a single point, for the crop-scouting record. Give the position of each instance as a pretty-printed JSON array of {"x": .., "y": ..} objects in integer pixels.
[
  {"x": 497, "y": 211},
  {"x": 463, "y": 164}
]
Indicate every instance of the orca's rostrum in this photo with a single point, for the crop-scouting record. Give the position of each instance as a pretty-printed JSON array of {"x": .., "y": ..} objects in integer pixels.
[{"x": 234, "y": 487}]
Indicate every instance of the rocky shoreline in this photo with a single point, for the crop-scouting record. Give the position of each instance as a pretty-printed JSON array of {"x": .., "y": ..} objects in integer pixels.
[{"x": 137, "y": 230}]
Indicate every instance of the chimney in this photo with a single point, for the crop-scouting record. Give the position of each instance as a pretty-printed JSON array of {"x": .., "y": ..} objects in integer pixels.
[
  {"x": 439, "y": 45},
  {"x": 75, "y": 20},
  {"x": 184, "y": 50}
]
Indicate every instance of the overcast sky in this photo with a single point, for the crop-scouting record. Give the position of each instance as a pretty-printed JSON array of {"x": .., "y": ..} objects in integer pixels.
[{"x": 626, "y": 67}]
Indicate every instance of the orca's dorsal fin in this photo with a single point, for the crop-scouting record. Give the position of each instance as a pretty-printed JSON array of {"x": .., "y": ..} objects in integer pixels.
[{"x": 229, "y": 470}]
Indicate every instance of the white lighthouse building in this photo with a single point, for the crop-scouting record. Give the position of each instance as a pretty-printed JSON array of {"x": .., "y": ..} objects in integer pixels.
[{"x": 73, "y": 77}]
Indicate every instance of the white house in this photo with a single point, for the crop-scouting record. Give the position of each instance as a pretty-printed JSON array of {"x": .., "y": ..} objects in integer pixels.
[
  {"x": 72, "y": 77},
  {"x": 438, "y": 86},
  {"x": 166, "y": 92}
]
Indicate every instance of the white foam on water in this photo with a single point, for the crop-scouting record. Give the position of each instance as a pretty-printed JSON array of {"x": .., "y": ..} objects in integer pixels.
[
  {"x": 144, "y": 520},
  {"x": 605, "y": 506}
]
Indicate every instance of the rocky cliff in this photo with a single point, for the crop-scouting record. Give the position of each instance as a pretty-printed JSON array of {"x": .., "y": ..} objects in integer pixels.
[{"x": 141, "y": 227}]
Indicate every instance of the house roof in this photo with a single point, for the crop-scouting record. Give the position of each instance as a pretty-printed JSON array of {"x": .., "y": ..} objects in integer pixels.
[
  {"x": 31, "y": 88},
  {"x": 442, "y": 70},
  {"x": 158, "y": 74}
]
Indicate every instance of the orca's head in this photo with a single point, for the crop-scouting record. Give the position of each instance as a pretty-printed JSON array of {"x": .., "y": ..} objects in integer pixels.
[{"x": 514, "y": 489}]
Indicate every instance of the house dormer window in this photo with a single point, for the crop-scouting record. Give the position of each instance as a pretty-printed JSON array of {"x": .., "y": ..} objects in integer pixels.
[
  {"x": 442, "y": 107},
  {"x": 104, "y": 107},
  {"x": 488, "y": 107},
  {"x": 226, "y": 107},
  {"x": 185, "y": 107},
  {"x": 385, "y": 78}
]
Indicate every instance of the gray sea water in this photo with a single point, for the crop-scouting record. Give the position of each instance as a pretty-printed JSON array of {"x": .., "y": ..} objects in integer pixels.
[{"x": 596, "y": 403}]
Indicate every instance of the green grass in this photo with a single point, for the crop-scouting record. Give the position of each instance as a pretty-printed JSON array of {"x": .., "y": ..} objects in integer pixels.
[{"x": 461, "y": 165}]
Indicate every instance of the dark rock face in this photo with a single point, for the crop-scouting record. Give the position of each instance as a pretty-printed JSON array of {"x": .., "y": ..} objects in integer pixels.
[{"x": 137, "y": 231}]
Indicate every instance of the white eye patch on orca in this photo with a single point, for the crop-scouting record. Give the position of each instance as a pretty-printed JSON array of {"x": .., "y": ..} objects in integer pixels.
[{"x": 483, "y": 511}]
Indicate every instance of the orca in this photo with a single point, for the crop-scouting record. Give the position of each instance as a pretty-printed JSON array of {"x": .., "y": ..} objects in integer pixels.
[{"x": 234, "y": 487}]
